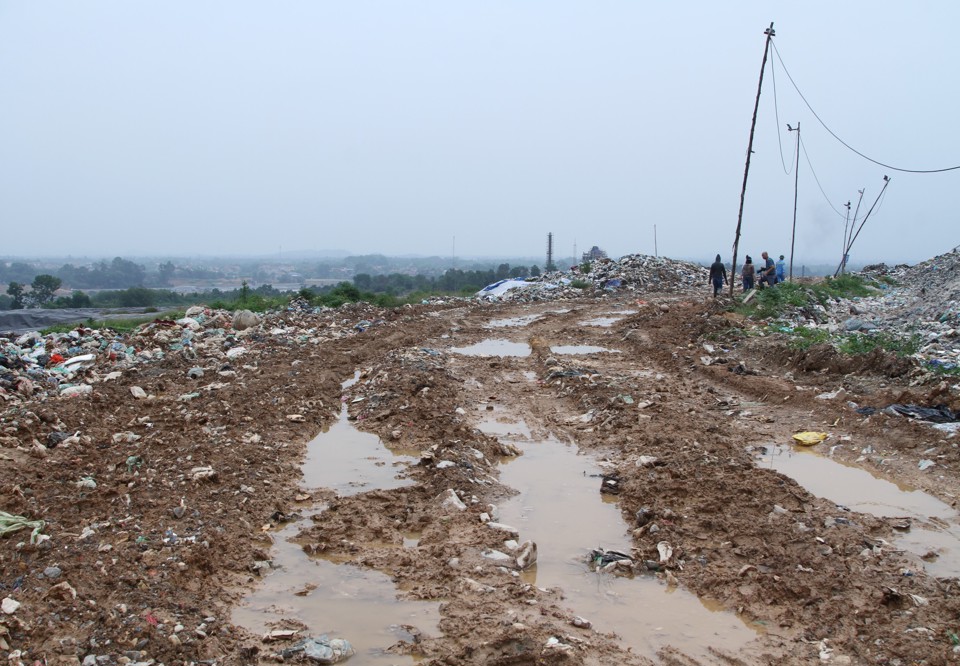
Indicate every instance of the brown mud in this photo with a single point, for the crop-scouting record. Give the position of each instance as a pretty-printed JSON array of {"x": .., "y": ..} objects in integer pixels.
[{"x": 146, "y": 564}]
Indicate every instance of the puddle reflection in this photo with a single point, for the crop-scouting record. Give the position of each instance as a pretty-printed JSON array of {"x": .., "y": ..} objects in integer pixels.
[
  {"x": 581, "y": 349},
  {"x": 560, "y": 507},
  {"x": 858, "y": 490},
  {"x": 512, "y": 321},
  {"x": 351, "y": 461},
  {"x": 494, "y": 348},
  {"x": 339, "y": 600}
]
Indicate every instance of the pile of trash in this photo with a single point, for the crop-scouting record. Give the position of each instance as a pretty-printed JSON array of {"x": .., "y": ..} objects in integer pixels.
[
  {"x": 921, "y": 300},
  {"x": 638, "y": 273},
  {"x": 69, "y": 364},
  {"x": 929, "y": 290}
]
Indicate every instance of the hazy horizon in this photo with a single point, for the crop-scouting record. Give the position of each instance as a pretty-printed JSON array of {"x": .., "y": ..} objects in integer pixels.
[{"x": 459, "y": 130}]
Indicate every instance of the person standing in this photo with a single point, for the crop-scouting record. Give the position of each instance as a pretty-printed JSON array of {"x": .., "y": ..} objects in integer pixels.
[
  {"x": 749, "y": 270},
  {"x": 718, "y": 275},
  {"x": 781, "y": 270},
  {"x": 768, "y": 273}
]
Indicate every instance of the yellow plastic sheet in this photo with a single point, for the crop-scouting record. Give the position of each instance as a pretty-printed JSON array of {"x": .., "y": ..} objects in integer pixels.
[{"x": 810, "y": 438}]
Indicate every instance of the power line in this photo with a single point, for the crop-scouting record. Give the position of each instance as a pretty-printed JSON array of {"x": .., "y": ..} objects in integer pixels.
[
  {"x": 810, "y": 164},
  {"x": 847, "y": 145},
  {"x": 776, "y": 111}
]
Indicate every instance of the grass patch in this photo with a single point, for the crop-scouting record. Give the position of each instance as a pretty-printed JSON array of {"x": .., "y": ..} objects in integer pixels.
[
  {"x": 778, "y": 301},
  {"x": 856, "y": 344},
  {"x": 844, "y": 286},
  {"x": 775, "y": 301},
  {"x": 120, "y": 325},
  {"x": 579, "y": 284},
  {"x": 803, "y": 337}
]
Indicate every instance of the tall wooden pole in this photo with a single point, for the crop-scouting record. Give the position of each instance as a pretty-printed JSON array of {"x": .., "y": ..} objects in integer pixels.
[
  {"x": 753, "y": 124},
  {"x": 796, "y": 182}
]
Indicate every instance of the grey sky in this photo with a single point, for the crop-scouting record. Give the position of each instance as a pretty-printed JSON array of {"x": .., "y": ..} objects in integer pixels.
[{"x": 395, "y": 127}]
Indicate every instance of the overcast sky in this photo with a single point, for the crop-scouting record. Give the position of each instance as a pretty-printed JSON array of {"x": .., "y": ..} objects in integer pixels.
[{"x": 473, "y": 128}]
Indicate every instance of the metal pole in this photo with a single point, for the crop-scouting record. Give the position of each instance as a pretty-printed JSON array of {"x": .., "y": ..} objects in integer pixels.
[
  {"x": 655, "y": 251},
  {"x": 796, "y": 181},
  {"x": 769, "y": 32}
]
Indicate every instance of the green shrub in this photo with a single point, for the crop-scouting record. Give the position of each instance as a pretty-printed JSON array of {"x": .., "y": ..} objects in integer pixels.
[{"x": 579, "y": 284}]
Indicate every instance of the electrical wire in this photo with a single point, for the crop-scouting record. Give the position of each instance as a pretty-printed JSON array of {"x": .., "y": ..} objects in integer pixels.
[
  {"x": 810, "y": 164},
  {"x": 776, "y": 111},
  {"x": 847, "y": 145}
]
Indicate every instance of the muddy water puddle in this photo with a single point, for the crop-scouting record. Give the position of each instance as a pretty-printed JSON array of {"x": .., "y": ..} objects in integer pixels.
[
  {"x": 494, "y": 347},
  {"x": 339, "y": 600},
  {"x": 935, "y": 525},
  {"x": 581, "y": 349},
  {"x": 351, "y": 461},
  {"x": 602, "y": 322},
  {"x": 332, "y": 598},
  {"x": 512, "y": 322},
  {"x": 560, "y": 507}
]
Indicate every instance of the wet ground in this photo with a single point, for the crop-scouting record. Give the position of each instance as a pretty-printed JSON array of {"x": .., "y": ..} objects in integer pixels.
[{"x": 382, "y": 486}]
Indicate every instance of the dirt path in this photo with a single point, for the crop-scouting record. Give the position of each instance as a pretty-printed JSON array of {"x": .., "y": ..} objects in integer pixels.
[{"x": 189, "y": 492}]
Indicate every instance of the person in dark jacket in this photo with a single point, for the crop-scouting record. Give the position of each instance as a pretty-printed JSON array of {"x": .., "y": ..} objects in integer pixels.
[
  {"x": 749, "y": 271},
  {"x": 718, "y": 275}
]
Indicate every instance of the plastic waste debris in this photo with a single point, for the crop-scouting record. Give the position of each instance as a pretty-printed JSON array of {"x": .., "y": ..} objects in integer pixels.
[
  {"x": 244, "y": 319},
  {"x": 608, "y": 560},
  {"x": 10, "y": 523},
  {"x": 810, "y": 438},
  {"x": 320, "y": 650},
  {"x": 938, "y": 414},
  {"x": 527, "y": 556}
]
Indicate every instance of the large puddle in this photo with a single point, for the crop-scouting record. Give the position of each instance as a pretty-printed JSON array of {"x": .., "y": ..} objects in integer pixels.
[
  {"x": 581, "y": 349},
  {"x": 351, "y": 461},
  {"x": 511, "y": 322},
  {"x": 935, "y": 530},
  {"x": 339, "y": 600},
  {"x": 560, "y": 507},
  {"x": 494, "y": 348}
]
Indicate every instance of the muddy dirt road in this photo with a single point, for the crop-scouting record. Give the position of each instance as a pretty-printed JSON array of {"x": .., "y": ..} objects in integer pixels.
[{"x": 636, "y": 443}]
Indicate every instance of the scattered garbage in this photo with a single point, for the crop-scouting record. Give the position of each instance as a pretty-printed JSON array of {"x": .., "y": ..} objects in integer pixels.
[
  {"x": 638, "y": 273},
  {"x": 320, "y": 650},
  {"x": 10, "y": 523},
  {"x": 609, "y": 560},
  {"x": 810, "y": 438},
  {"x": 938, "y": 414}
]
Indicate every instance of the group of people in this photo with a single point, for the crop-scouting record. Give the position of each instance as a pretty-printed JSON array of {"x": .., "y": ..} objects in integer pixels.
[{"x": 771, "y": 273}]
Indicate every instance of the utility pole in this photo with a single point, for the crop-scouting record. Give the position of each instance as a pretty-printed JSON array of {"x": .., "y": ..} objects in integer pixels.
[
  {"x": 846, "y": 223},
  {"x": 655, "y": 252},
  {"x": 796, "y": 181},
  {"x": 769, "y": 32},
  {"x": 848, "y": 234},
  {"x": 886, "y": 181}
]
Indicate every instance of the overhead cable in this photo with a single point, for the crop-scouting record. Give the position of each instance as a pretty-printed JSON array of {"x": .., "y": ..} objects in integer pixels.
[{"x": 847, "y": 145}]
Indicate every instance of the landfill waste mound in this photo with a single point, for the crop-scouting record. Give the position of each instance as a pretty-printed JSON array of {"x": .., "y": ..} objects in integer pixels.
[
  {"x": 636, "y": 273},
  {"x": 153, "y": 482},
  {"x": 928, "y": 290}
]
